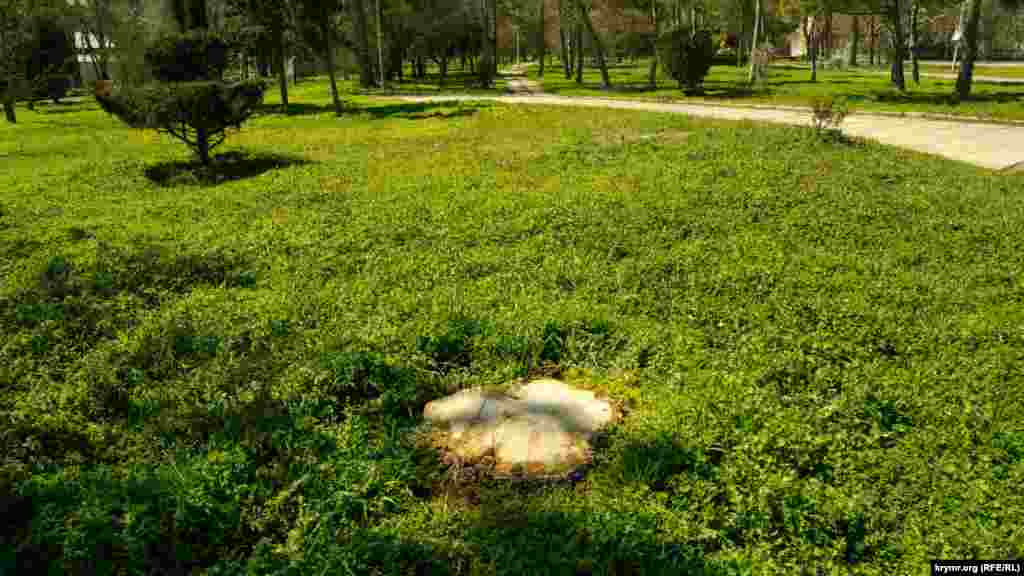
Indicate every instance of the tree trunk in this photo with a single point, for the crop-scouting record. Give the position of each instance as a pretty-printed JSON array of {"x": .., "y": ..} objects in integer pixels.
[
  {"x": 913, "y": 43},
  {"x": 444, "y": 68},
  {"x": 854, "y": 41},
  {"x": 606, "y": 82},
  {"x": 203, "y": 146},
  {"x": 754, "y": 72},
  {"x": 362, "y": 43},
  {"x": 493, "y": 7},
  {"x": 282, "y": 72},
  {"x": 543, "y": 48},
  {"x": 578, "y": 48},
  {"x": 898, "y": 47},
  {"x": 9, "y": 112},
  {"x": 379, "y": 13},
  {"x": 103, "y": 37},
  {"x": 488, "y": 62},
  {"x": 871, "y": 41},
  {"x": 827, "y": 34},
  {"x": 969, "y": 39},
  {"x": 742, "y": 34},
  {"x": 566, "y": 56},
  {"x": 652, "y": 74},
  {"x": 331, "y": 67},
  {"x": 814, "y": 52}
]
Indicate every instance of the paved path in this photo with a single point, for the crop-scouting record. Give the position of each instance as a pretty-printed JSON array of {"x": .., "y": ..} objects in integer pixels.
[
  {"x": 995, "y": 146},
  {"x": 520, "y": 83}
]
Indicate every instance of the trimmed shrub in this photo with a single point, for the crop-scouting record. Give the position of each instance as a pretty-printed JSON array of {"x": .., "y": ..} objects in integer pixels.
[
  {"x": 197, "y": 113},
  {"x": 191, "y": 102},
  {"x": 687, "y": 57}
]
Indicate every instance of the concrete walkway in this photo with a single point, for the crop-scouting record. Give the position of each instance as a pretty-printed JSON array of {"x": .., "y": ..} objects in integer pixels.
[
  {"x": 995, "y": 146},
  {"x": 519, "y": 82}
]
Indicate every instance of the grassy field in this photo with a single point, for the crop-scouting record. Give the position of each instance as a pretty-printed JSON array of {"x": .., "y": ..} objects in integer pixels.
[
  {"x": 1012, "y": 72},
  {"x": 791, "y": 86},
  {"x": 819, "y": 344}
]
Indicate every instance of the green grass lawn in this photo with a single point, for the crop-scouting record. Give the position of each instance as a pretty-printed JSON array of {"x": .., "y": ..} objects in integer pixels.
[
  {"x": 819, "y": 344},
  {"x": 1013, "y": 72},
  {"x": 791, "y": 86}
]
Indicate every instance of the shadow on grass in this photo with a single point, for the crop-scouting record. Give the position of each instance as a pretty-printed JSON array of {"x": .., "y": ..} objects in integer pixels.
[
  {"x": 712, "y": 90},
  {"x": 409, "y": 111},
  {"x": 828, "y": 81},
  {"x": 65, "y": 107},
  {"x": 422, "y": 110},
  {"x": 296, "y": 109},
  {"x": 225, "y": 167},
  {"x": 546, "y": 541},
  {"x": 946, "y": 99}
]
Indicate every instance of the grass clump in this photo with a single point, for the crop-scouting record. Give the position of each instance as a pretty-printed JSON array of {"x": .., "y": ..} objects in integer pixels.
[{"x": 828, "y": 114}]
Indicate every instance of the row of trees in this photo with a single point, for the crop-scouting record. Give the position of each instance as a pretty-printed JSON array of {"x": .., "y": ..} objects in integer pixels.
[
  {"x": 383, "y": 36},
  {"x": 901, "y": 19},
  {"x": 36, "y": 51},
  {"x": 422, "y": 31}
]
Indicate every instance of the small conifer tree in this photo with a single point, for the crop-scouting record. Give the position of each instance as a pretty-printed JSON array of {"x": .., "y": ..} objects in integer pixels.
[
  {"x": 686, "y": 57},
  {"x": 189, "y": 99}
]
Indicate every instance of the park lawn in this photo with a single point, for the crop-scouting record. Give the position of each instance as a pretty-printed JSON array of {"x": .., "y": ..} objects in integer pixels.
[
  {"x": 818, "y": 344},
  {"x": 1010, "y": 72},
  {"x": 788, "y": 85}
]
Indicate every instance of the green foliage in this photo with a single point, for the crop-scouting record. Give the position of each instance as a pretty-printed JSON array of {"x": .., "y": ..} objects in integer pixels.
[
  {"x": 36, "y": 52},
  {"x": 189, "y": 103},
  {"x": 196, "y": 113},
  {"x": 359, "y": 377},
  {"x": 184, "y": 109},
  {"x": 194, "y": 56},
  {"x": 50, "y": 59},
  {"x": 686, "y": 57}
]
